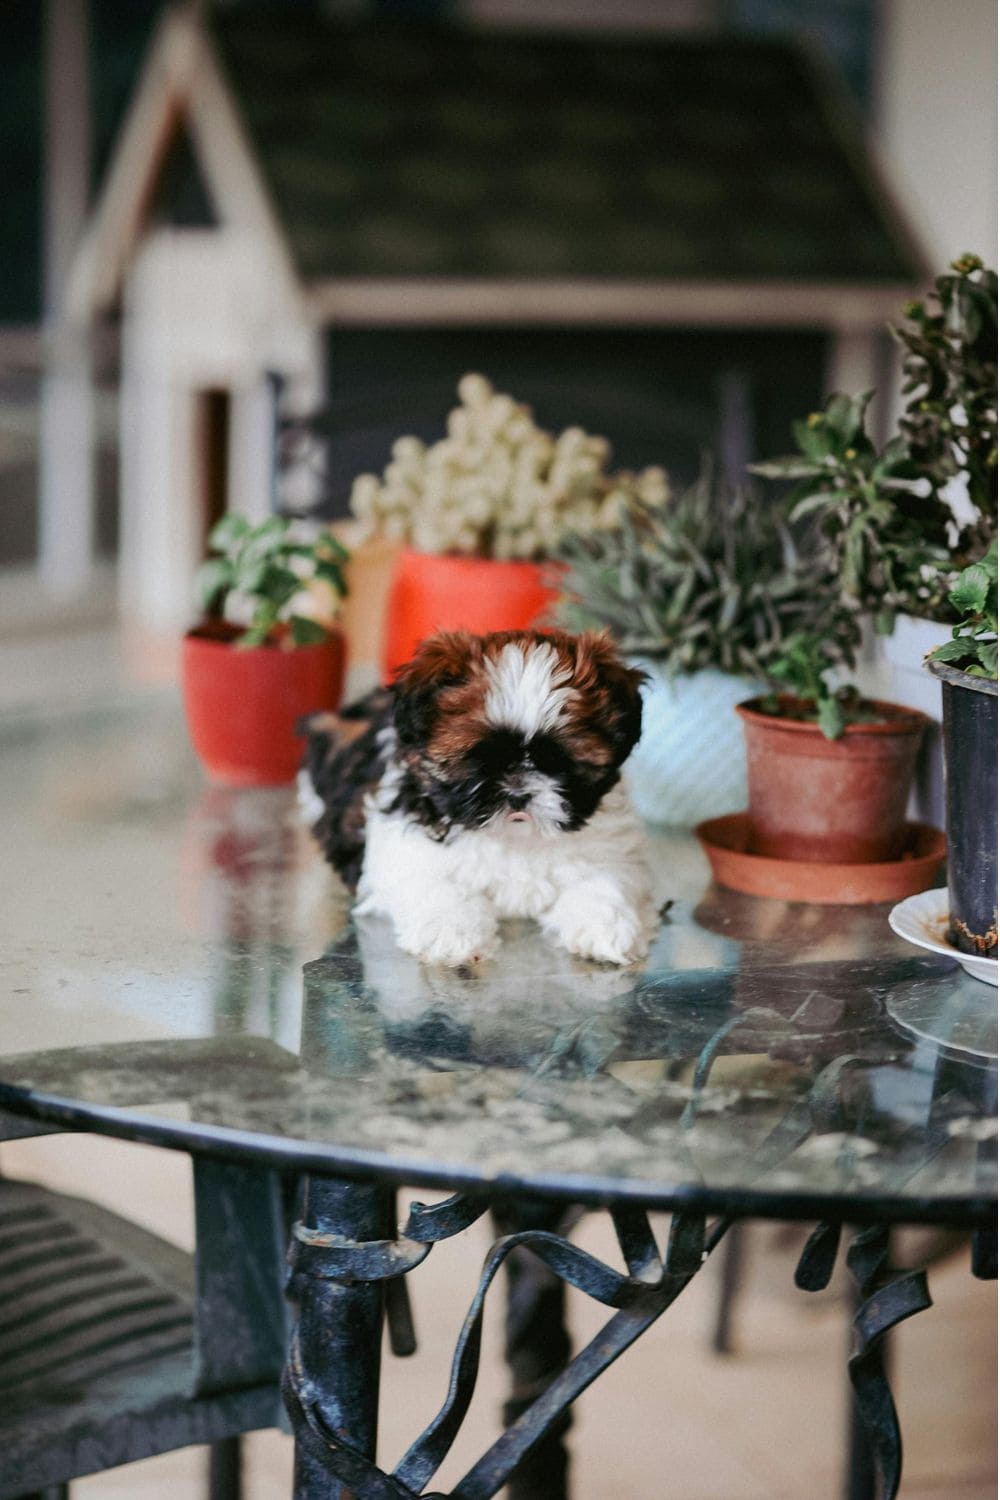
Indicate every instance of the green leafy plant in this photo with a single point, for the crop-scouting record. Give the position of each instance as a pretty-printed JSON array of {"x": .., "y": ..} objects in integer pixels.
[
  {"x": 973, "y": 645},
  {"x": 882, "y": 517},
  {"x": 711, "y": 579},
  {"x": 802, "y": 670},
  {"x": 284, "y": 589},
  {"x": 949, "y": 426},
  {"x": 884, "y": 536}
]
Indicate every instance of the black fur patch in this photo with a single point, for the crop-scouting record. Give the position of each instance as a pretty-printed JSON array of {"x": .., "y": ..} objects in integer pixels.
[{"x": 343, "y": 769}]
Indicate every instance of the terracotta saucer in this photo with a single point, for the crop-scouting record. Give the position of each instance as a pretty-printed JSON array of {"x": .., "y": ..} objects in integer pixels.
[{"x": 725, "y": 840}]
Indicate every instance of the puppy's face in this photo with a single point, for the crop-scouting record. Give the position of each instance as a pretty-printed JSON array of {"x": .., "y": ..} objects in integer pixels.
[{"x": 516, "y": 731}]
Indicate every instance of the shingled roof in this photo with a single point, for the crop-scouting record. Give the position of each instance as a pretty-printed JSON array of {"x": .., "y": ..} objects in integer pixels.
[{"x": 397, "y": 150}]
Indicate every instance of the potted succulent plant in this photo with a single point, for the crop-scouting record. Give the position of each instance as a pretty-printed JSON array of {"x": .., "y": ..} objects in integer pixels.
[
  {"x": 705, "y": 593},
  {"x": 966, "y": 666},
  {"x": 479, "y": 513},
  {"x": 267, "y": 649}
]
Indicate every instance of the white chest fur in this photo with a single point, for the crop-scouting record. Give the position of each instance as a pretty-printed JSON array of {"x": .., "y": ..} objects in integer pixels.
[{"x": 590, "y": 888}]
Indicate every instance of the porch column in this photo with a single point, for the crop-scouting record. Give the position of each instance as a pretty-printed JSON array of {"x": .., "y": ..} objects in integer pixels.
[{"x": 66, "y": 469}]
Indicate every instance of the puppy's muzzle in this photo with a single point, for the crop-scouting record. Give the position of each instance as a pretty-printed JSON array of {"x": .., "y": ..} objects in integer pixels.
[{"x": 517, "y": 803}]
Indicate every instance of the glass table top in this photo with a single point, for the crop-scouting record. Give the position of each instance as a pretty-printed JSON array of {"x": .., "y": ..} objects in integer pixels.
[{"x": 178, "y": 964}]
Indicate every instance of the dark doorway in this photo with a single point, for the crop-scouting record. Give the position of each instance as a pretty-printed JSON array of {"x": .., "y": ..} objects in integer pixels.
[
  {"x": 211, "y": 448},
  {"x": 661, "y": 396}
]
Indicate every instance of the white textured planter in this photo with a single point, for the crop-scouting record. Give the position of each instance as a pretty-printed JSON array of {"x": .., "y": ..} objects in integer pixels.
[
  {"x": 690, "y": 763},
  {"x": 910, "y": 682},
  {"x": 898, "y": 674}
]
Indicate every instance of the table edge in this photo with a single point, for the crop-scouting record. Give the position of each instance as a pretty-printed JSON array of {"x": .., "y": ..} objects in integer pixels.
[{"x": 277, "y": 1153}]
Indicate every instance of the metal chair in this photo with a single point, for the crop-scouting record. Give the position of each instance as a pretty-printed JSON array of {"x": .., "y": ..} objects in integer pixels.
[{"x": 116, "y": 1346}]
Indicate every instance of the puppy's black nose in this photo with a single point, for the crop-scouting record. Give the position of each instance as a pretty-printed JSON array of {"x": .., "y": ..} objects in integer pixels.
[{"x": 517, "y": 800}]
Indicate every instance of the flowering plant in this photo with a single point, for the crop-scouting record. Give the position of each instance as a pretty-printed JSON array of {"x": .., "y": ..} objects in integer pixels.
[{"x": 497, "y": 485}]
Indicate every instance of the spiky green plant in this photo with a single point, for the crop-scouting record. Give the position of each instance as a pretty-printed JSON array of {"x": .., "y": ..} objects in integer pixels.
[{"x": 712, "y": 579}]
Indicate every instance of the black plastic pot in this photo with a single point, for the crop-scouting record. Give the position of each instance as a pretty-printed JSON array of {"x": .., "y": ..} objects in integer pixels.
[{"x": 970, "y": 769}]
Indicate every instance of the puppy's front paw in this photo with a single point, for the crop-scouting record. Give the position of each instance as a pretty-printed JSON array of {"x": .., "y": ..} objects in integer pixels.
[
  {"x": 454, "y": 937},
  {"x": 591, "y": 927}
]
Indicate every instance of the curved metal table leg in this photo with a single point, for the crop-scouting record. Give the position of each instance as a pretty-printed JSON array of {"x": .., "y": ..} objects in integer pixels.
[
  {"x": 334, "y": 1365},
  {"x": 884, "y": 1298},
  {"x": 536, "y": 1346}
]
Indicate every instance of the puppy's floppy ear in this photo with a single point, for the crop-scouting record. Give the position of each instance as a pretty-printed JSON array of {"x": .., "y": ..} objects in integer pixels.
[
  {"x": 615, "y": 689},
  {"x": 439, "y": 662}
]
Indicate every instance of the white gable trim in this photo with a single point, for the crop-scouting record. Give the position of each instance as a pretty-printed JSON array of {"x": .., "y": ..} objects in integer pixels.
[
  {"x": 374, "y": 301},
  {"x": 181, "y": 87}
]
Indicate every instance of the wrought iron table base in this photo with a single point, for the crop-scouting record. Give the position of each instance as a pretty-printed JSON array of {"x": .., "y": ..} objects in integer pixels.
[{"x": 345, "y": 1257}]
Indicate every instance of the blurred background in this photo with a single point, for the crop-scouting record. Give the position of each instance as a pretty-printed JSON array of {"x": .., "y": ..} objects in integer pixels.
[{"x": 679, "y": 223}]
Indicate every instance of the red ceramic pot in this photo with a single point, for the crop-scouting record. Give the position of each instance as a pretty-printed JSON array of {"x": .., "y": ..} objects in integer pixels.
[
  {"x": 837, "y": 801},
  {"x": 430, "y": 592},
  {"x": 242, "y": 704}
]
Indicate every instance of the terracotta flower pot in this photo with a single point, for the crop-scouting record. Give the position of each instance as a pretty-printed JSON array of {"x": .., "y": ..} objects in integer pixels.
[
  {"x": 242, "y": 704},
  {"x": 430, "y": 592},
  {"x": 837, "y": 801}
]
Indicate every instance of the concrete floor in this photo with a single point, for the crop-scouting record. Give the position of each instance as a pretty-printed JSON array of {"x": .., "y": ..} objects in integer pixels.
[{"x": 672, "y": 1418}]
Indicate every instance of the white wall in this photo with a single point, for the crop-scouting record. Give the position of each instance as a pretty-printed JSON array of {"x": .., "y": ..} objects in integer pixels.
[
  {"x": 937, "y": 121},
  {"x": 203, "y": 309}
]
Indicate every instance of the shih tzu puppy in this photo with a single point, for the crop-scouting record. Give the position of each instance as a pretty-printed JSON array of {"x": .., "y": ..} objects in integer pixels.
[{"x": 484, "y": 784}]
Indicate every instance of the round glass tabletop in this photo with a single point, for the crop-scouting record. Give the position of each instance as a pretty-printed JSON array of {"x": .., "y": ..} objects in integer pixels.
[{"x": 178, "y": 965}]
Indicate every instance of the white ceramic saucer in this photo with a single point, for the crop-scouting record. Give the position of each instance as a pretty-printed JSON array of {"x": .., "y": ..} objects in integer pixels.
[{"x": 923, "y": 919}]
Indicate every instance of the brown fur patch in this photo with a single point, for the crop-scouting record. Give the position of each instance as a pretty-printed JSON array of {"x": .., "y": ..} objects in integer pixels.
[
  {"x": 342, "y": 732},
  {"x": 450, "y": 670},
  {"x": 604, "y": 690},
  {"x": 447, "y": 657},
  {"x": 462, "y": 721}
]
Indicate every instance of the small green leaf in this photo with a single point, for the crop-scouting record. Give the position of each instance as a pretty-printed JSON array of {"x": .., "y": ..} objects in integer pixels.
[
  {"x": 254, "y": 636},
  {"x": 814, "y": 441},
  {"x": 969, "y": 593},
  {"x": 307, "y": 632},
  {"x": 988, "y": 657},
  {"x": 951, "y": 651},
  {"x": 332, "y": 572},
  {"x": 227, "y": 532},
  {"x": 845, "y": 415},
  {"x": 213, "y": 580},
  {"x": 838, "y": 415},
  {"x": 329, "y": 546},
  {"x": 831, "y": 718},
  {"x": 810, "y": 503},
  {"x": 279, "y": 584},
  {"x": 793, "y": 467},
  {"x": 271, "y": 529},
  {"x": 264, "y": 620}
]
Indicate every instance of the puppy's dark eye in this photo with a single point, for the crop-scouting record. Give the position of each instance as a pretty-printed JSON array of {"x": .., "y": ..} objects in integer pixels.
[
  {"x": 498, "y": 752},
  {"x": 547, "y": 755}
]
